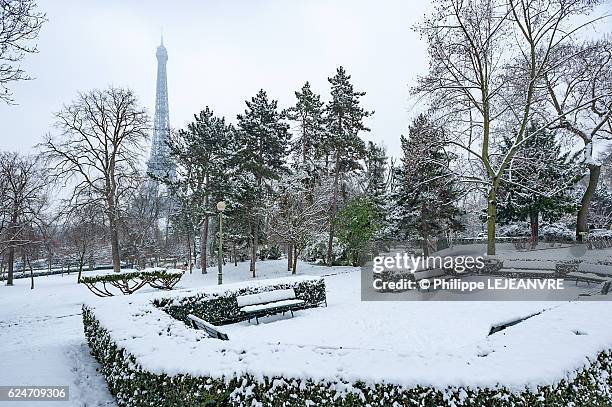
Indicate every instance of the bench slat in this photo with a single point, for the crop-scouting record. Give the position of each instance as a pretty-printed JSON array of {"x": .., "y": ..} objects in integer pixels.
[
  {"x": 270, "y": 305},
  {"x": 265, "y": 297},
  {"x": 207, "y": 327},
  {"x": 588, "y": 276},
  {"x": 601, "y": 269}
]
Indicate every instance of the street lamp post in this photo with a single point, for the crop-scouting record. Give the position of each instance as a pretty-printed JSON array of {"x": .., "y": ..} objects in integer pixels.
[{"x": 220, "y": 208}]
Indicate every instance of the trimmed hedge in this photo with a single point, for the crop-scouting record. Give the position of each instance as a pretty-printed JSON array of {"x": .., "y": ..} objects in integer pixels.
[
  {"x": 127, "y": 283},
  {"x": 133, "y": 386},
  {"x": 219, "y": 309}
]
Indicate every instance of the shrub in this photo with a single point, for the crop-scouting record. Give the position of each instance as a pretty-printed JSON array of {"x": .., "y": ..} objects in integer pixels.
[
  {"x": 316, "y": 251},
  {"x": 274, "y": 253},
  {"x": 357, "y": 224},
  {"x": 557, "y": 233},
  {"x": 128, "y": 283}
]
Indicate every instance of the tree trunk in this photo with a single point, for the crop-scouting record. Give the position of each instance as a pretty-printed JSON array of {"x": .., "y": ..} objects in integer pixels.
[
  {"x": 204, "y": 245},
  {"x": 11, "y": 261},
  {"x": 235, "y": 255},
  {"x": 115, "y": 246},
  {"x": 189, "y": 258},
  {"x": 81, "y": 264},
  {"x": 289, "y": 257},
  {"x": 332, "y": 216},
  {"x": 31, "y": 274},
  {"x": 534, "y": 221},
  {"x": 295, "y": 258},
  {"x": 255, "y": 242},
  {"x": 491, "y": 218},
  {"x": 424, "y": 231},
  {"x": 583, "y": 213}
]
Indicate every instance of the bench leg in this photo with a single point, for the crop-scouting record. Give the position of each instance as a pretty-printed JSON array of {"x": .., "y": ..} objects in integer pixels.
[
  {"x": 291, "y": 313},
  {"x": 257, "y": 319}
]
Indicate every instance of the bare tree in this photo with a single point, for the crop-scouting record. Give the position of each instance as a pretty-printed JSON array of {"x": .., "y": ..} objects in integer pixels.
[
  {"x": 22, "y": 206},
  {"x": 487, "y": 59},
  {"x": 83, "y": 231},
  {"x": 299, "y": 215},
  {"x": 98, "y": 151},
  {"x": 140, "y": 226},
  {"x": 20, "y": 23},
  {"x": 579, "y": 86}
]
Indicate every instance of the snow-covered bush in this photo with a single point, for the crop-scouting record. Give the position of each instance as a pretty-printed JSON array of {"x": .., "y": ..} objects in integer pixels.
[
  {"x": 557, "y": 233},
  {"x": 128, "y": 283},
  {"x": 134, "y": 386},
  {"x": 600, "y": 233},
  {"x": 316, "y": 252},
  {"x": 514, "y": 230},
  {"x": 274, "y": 253}
]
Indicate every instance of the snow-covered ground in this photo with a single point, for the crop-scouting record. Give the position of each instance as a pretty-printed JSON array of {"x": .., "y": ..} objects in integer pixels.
[
  {"x": 42, "y": 338},
  {"x": 41, "y": 330}
]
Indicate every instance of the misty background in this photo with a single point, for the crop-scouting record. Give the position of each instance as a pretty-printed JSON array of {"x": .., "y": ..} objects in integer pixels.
[{"x": 220, "y": 54}]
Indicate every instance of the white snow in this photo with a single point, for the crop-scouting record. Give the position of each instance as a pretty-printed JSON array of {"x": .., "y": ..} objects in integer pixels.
[
  {"x": 601, "y": 269},
  {"x": 270, "y": 305},
  {"x": 529, "y": 264},
  {"x": 407, "y": 342},
  {"x": 267, "y": 296}
]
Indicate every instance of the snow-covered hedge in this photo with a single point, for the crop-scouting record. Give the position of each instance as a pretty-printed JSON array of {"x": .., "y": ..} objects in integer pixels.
[
  {"x": 557, "y": 233},
  {"x": 131, "y": 281},
  {"x": 220, "y": 308},
  {"x": 133, "y": 385},
  {"x": 149, "y": 358},
  {"x": 26, "y": 274}
]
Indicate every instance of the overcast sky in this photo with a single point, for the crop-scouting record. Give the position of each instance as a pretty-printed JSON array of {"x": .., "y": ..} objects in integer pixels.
[{"x": 220, "y": 53}]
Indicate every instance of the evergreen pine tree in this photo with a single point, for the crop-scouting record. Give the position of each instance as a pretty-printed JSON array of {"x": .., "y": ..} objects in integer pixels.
[
  {"x": 538, "y": 183},
  {"x": 375, "y": 182},
  {"x": 308, "y": 115},
  {"x": 262, "y": 148},
  {"x": 426, "y": 192},
  {"x": 203, "y": 154},
  {"x": 376, "y": 172},
  {"x": 345, "y": 119}
]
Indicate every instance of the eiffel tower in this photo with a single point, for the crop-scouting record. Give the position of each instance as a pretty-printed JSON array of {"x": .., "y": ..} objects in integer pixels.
[{"x": 160, "y": 165}]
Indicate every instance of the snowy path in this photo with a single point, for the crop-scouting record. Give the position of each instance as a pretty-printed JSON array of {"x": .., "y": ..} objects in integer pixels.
[{"x": 41, "y": 333}]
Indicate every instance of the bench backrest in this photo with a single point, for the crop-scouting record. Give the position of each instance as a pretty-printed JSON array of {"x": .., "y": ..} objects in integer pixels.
[
  {"x": 529, "y": 264},
  {"x": 601, "y": 269},
  {"x": 265, "y": 297},
  {"x": 207, "y": 327}
]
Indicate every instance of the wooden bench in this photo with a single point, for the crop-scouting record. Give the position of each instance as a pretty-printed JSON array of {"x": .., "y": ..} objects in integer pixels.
[
  {"x": 593, "y": 273},
  {"x": 211, "y": 330},
  {"x": 527, "y": 268},
  {"x": 269, "y": 303}
]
